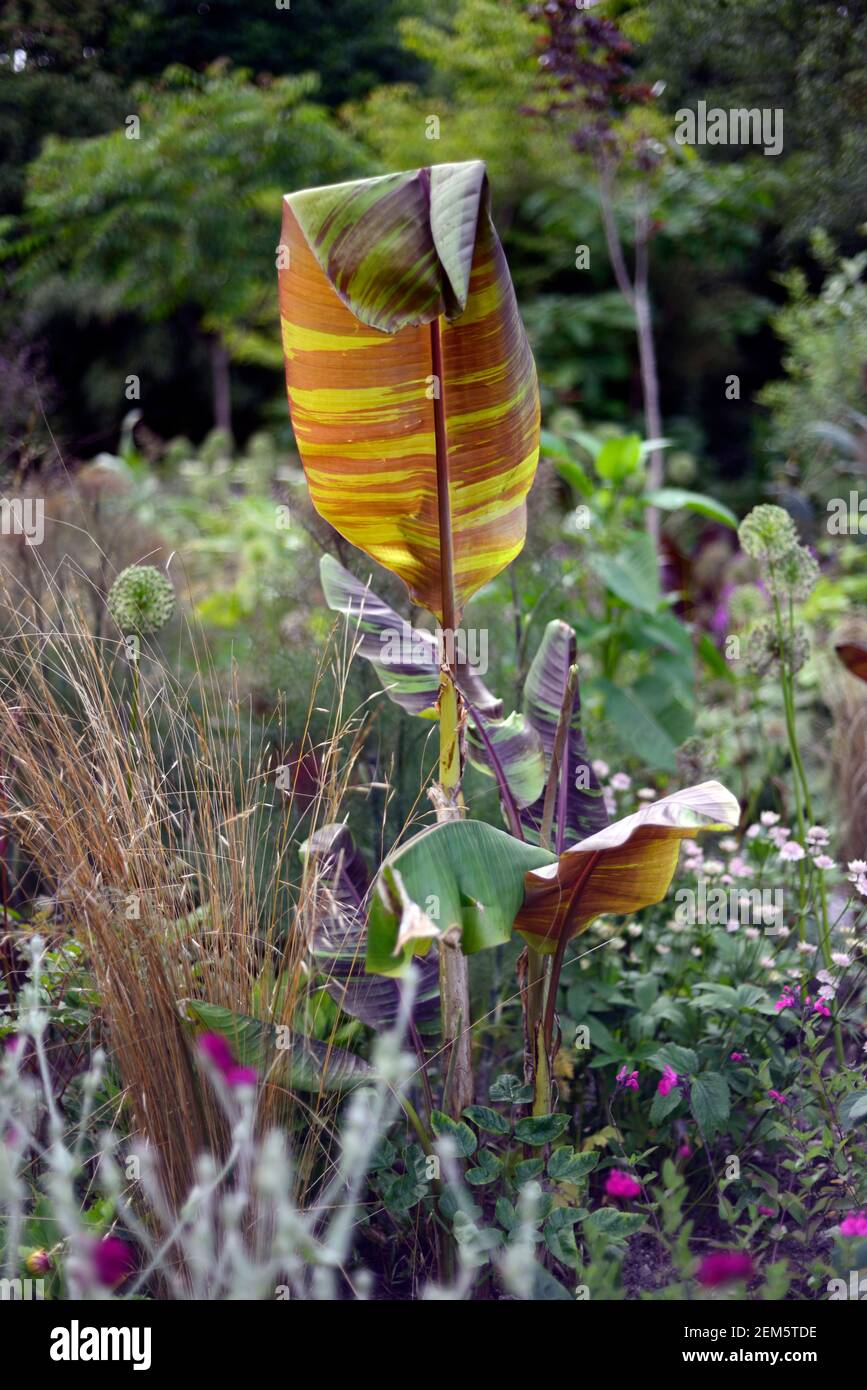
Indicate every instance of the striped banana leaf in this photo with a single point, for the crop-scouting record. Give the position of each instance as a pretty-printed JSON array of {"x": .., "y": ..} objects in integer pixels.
[
  {"x": 395, "y": 296},
  {"x": 624, "y": 867},
  {"x": 579, "y": 807}
]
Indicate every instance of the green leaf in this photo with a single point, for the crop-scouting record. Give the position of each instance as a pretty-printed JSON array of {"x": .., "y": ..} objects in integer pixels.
[
  {"x": 488, "y": 1120},
  {"x": 459, "y": 873},
  {"x": 487, "y": 1168},
  {"x": 506, "y": 1214},
  {"x": 565, "y": 1165},
  {"x": 528, "y": 1170},
  {"x": 279, "y": 1055},
  {"x": 616, "y": 1225},
  {"x": 853, "y": 1108},
  {"x": 618, "y": 458},
  {"x": 673, "y": 499},
  {"x": 560, "y": 1235},
  {"x": 461, "y": 1135},
  {"x": 632, "y": 574},
  {"x": 637, "y": 729},
  {"x": 507, "y": 1087},
  {"x": 663, "y": 1106},
  {"x": 540, "y": 1129},
  {"x": 710, "y": 1102}
]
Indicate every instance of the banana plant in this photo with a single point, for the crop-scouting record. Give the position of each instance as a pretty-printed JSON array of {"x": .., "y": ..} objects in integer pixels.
[
  {"x": 414, "y": 403},
  {"x": 415, "y": 408}
]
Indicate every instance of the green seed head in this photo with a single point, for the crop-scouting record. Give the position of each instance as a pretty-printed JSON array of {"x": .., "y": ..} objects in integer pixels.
[
  {"x": 141, "y": 600},
  {"x": 767, "y": 533}
]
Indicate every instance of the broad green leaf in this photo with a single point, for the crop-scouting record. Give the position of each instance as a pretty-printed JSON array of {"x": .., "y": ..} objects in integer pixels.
[
  {"x": 565, "y": 1165},
  {"x": 673, "y": 499},
  {"x": 540, "y": 1129},
  {"x": 461, "y": 1135},
  {"x": 486, "y": 1169},
  {"x": 379, "y": 271},
  {"x": 457, "y": 874},
  {"x": 709, "y": 1098},
  {"x": 853, "y": 1108},
  {"x": 280, "y": 1056},
  {"x": 489, "y": 1120},
  {"x": 528, "y": 1170},
  {"x": 560, "y": 1235},
  {"x": 636, "y": 728},
  {"x": 618, "y": 458},
  {"x": 632, "y": 574},
  {"x": 620, "y": 869},
  {"x": 616, "y": 1225}
]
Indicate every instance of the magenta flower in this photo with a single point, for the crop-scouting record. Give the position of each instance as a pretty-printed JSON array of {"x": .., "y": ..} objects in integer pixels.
[
  {"x": 668, "y": 1082},
  {"x": 736, "y": 1056},
  {"x": 775, "y": 1095},
  {"x": 724, "y": 1267},
  {"x": 855, "y": 1224},
  {"x": 683, "y": 1151},
  {"x": 216, "y": 1049},
  {"x": 767, "y": 1211},
  {"x": 112, "y": 1260},
  {"x": 627, "y": 1079},
  {"x": 820, "y": 1007},
  {"x": 786, "y": 999},
  {"x": 622, "y": 1185}
]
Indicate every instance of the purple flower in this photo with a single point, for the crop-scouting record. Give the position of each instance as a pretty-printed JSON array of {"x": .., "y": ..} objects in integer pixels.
[
  {"x": 622, "y": 1185},
  {"x": 112, "y": 1260},
  {"x": 668, "y": 1082},
  {"x": 775, "y": 1095},
  {"x": 724, "y": 1267},
  {"x": 216, "y": 1049},
  {"x": 627, "y": 1079},
  {"x": 855, "y": 1224}
]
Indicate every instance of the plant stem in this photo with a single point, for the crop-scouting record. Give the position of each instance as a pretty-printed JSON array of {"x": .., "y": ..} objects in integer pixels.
[{"x": 454, "y": 973}]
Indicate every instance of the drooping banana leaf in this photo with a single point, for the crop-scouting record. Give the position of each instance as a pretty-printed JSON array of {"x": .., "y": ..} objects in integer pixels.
[
  {"x": 458, "y": 874},
  {"x": 304, "y": 1065},
  {"x": 624, "y": 867},
  {"x": 579, "y": 807},
  {"x": 405, "y": 658},
  {"x": 338, "y": 939},
  {"x": 397, "y": 296}
]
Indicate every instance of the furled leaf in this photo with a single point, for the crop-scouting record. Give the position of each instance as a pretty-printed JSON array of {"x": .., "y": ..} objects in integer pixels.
[
  {"x": 372, "y": 265},
  {"x": 579, "y": 808},
  {"x": 620, "y": 869},
  {"x": 280, "y": 1055},
  {"x": 406, "y": 659},
  {"x": 461, "y": 874}
]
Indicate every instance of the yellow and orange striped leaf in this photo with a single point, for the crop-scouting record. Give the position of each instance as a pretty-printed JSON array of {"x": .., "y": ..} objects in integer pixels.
[
  {"x": 378, "y": 270},
  {"x": 620, "y": 869}
]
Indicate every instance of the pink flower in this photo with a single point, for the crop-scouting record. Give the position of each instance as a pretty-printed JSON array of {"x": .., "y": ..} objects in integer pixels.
[
  {"x": 627, "y": 1079},
  {"x": 621, "y": 782},
  {"x": 668, "y": 1082},
  {"x": 775, "y": 1095},
  {"x": 622, "y": 1185},
  {"x": 683, "y": 1150},
  {"x": 820, "y": 1007},
  {"x": 724, "y": 1267},
  {"x": 791, "y": 851},
  {"x": 855, "y": 1224},
  {"x": 767, "y": 1211},
  {"x": 786, "y": 999},
  {"x": 736, "y": 1056},
  {"x": 218, "y": 1052},
  {"x": 112, "y": 1260},
  {"x": 823, "y": 861}
]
